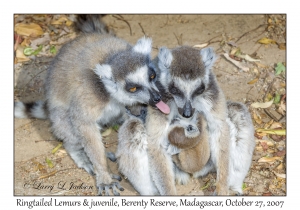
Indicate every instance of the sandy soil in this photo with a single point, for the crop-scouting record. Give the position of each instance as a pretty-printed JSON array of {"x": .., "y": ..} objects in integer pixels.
[{"x": 34, "y": 141}]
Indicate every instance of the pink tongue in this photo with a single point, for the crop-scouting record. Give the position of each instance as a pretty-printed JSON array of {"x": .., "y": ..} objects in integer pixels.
[{"x": 163, "y": 107}]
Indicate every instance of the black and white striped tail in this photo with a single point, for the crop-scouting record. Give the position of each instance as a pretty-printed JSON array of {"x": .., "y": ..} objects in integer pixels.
[
  {"x": 92, "y": 23},
  {"x": 36, "y": 109}
]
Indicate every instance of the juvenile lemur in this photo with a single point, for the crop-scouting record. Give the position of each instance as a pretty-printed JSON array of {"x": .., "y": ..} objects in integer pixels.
[
  {"x": 186, "y": 74},
  {"x": 132, "y": 154},
  {"x": 88, "y": 84}
]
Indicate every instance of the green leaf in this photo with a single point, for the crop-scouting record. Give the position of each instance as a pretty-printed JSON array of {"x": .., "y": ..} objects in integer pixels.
[
  {"x": 38, "y": 50},
  {"x": 244, "y": 186},
  {"x": 277, "y": 98},
  {"x": 56, "y": 148},
  {"x": 49, "y": 162},
  {"x": 279, "y": 68},
  {"x": 52, "y": 49},
  {"x": 28, "y": 51},
  {"x": 115, "y": 127}
]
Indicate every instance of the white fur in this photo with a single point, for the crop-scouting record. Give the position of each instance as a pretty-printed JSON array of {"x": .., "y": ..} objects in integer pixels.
[
  {"x": 140, "y": 76},
  {"x": 133, "y": 159},
  {"x": 165, "y": 58},
  {"x": 181, "y": 177},
  {"x": 241, "y": 148},
  {"x": 20, "y": 110},
  {"x": 38, "y": 110},
  {"x": 187, "y": 88},
  {"x": 143, "y": 45},
  {"x": 103, "y": 71},
  {"x": 208, "y": 57}
]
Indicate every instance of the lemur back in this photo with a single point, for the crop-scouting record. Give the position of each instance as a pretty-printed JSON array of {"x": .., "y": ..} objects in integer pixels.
[{"x": 88, "y": 85}]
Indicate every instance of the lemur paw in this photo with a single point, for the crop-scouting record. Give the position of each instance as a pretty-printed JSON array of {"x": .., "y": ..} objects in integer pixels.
[
  {"x": 142, "y": 115},
  {"x": 111, "y": 156},
  {"x": 104, "y": 189}
]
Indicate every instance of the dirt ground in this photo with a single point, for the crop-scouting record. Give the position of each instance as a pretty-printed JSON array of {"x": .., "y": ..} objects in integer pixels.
[{"x": 39, "y": 172}]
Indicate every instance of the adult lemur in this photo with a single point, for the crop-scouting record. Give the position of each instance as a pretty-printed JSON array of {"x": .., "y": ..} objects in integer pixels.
[
  {"x": 88, "y": 84},
  {"x": 186, "y": 74}
]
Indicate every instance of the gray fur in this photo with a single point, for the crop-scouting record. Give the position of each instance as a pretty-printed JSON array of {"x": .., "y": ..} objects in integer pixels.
[
  {"x": 188, "y": 75},
  {"x": 86, "y": 91},
  {"x": 132, "y": 155},
  {"x": 241, "y": 149}
]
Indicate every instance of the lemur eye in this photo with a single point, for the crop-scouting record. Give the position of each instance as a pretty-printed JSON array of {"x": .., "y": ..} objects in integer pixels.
[
  {"x": 133, "y": 89},
  {"x": 199, "y": 90},
  {"x": 152, "y": 76},
  {"x": 174, "y": 90}
]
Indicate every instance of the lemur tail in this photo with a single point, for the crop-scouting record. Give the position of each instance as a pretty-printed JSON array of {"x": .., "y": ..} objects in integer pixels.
[
  {"x": 92, "y": 24},
  {"x": 37, "y": 109}
]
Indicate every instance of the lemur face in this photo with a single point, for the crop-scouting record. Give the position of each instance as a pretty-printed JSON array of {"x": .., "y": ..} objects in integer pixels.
[
  {"x": 130, "y": 78},
  {"x": 185, "y": 73}
]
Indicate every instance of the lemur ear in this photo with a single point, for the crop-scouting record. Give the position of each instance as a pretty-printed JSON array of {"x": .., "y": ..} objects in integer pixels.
[
  {"x": 208, "y": 57},
  {"x": 164, "y": 62},
  {"x": 143, "y": 45},
  {"x": 104, "y": 72},
  {"x": 165, "y": 58}
]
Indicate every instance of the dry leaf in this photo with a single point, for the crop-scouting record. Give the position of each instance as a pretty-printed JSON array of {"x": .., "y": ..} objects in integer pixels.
[
  {"x": 62, "y": 20},
  {"x": 283, "y": 176},
  {"x": 20, "y": 55},
  {"x": 26, "y": 42},
  {"x": 262, "y": 105},
  {"x": 282, "y": 46},
  {"x": 268, "y": 142},
  {"x": 41, "y": 41},
  {"x": 238, "y": 64},
  {"x": 264, "y": 146},
  {"x": 40, "y": 167},
  {"x": 268, "y": 124},
  {"x": 260, "y": 65},
  {"x": 281, "y": 132},
  {"x": 234, "y": 50},
  {"x": 257, "y": 119},
  {"x": 269, "y": 159},
  {"x": 280, "y": 166},
  {"x": 30, "y": 29},
  {"x": 232, "y": 43},
  {"x": 248, "y": 58},
  {"x": 253, "y": 81},
  {"x": 61, "y": 153},
  {"x": 276, "y": 125},
  {"x": 106, "y": 132},
  {"x": 258, "y": 136},
  {"x": 48, "y": 175},
  {"x": 265, "y": 40},
  {"x": 280, "y": 153},
  {"x": 201, "y": 45}
]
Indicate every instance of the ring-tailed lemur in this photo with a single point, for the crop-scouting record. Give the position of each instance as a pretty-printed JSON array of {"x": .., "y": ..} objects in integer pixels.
[
  {"x": 186, "y": 74},
  {"x": 88, "y": 85}
]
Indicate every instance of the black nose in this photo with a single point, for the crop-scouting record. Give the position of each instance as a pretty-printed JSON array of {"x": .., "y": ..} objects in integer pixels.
[
  {"x": 187, "y": 110},
  {"x": 190, "y": 128},
  {"x": 155, "y": 97}
]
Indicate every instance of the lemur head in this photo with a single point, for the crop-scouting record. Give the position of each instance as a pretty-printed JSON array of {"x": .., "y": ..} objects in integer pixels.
[
  {"x": 130, "y": 78},
  {"x": 185, "y": 73}
]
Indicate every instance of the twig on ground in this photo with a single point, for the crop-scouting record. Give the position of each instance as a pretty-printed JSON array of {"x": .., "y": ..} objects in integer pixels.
[
  {"x": 249, "y": 32},
  {"x": 179, "y": 39},
  {"x": 121, "y": 18},
  {"x": 142, "y": 29}
]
